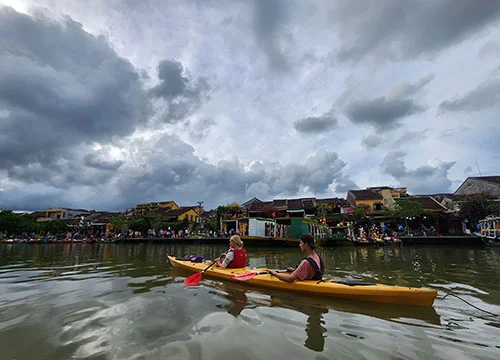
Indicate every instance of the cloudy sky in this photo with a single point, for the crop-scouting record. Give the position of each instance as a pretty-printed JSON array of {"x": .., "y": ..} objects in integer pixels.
[{"x": 106, "y": 104}]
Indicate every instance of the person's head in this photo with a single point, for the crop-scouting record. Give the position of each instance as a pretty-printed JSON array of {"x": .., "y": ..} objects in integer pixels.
[
  {"x": 307, "y": 240},
  {"x": 235, "y": 242}
]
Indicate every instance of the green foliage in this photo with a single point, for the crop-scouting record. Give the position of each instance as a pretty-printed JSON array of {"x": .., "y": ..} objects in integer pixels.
[
  {"x": 322, "y": 210},
  {"x": 211, "y": 224},
  {"x": 139, "y": 224},
  {"x": 408, "y": 208},
  {"x": 11, "y": 223},
  {"x": 118, "y": 222},
  {"x": 174, "y": 225},
  {"x": 360, "y": 212},
  {"x": 55, "y": 226},
  {"x": 494, "y": 207},
  {"x": 225, "y": 212},
  {"x": 477, "y": 207}
]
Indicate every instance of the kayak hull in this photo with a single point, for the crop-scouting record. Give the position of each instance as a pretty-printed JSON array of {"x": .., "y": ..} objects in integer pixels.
[{"x": 373, "y": 293}]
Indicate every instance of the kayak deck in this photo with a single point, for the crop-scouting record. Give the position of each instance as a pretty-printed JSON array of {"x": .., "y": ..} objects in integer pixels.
[{"x": 371, "y": 292}]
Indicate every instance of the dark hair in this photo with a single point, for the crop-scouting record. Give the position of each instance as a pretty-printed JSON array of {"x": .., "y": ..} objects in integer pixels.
[{"x": 308, "y": 239}]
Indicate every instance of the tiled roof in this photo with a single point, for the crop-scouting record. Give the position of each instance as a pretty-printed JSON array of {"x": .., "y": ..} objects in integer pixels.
[
  {"x": 260, "y": 206},
  {"x": 493, "y": 179},
  {"x": 308, "y": 203},
  {"x": 427, "y": 202},
  {"x": 281, "y": 203},
  {"x": 366, "y": 195},
  {"x": 294, "y": 204},
  {"x": 333, "y": 202},
  {"x": 180, "y": 211},
  {"x": 380, "y": 188},
  {"x": 100, "y": 216}
]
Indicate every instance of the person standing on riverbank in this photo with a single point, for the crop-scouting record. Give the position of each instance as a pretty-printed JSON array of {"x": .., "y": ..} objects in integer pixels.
[{"x": 310, "y": 268}]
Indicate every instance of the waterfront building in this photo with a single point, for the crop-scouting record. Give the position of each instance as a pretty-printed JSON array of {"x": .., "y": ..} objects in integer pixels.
[
  {"x": 486, "y": 185},
  {"x": 62, "y": 214}
]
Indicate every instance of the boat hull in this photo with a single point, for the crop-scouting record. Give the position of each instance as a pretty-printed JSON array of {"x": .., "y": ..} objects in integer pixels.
[{"x": 373, "y": 293}]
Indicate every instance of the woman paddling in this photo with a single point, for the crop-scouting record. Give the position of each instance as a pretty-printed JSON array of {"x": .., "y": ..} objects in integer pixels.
[
  {"x": 310, "y": 268},
  {"x": 236, "y": 257}
]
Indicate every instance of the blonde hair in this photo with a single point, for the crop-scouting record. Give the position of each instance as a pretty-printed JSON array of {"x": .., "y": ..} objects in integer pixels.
[{"x": 237, "y": 240}]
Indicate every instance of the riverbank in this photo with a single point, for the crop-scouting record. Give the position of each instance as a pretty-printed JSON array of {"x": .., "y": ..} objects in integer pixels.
[{"x": 405, "y": 240}]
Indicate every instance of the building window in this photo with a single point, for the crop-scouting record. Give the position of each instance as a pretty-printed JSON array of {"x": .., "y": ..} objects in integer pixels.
[{"x": 378, "y": 207}]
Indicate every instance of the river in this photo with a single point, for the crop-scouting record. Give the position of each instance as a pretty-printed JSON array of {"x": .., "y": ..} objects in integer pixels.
[{"x": 124, "y": 301}]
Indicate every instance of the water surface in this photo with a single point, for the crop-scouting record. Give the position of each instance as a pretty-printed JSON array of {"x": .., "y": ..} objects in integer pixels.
[{"x": 124, "y": 301}]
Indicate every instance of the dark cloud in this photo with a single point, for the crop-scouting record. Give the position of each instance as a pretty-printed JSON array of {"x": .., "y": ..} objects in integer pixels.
[
  {"x": 372, "y": 141},
  {"x": 269, "y": 20},
  {"x": 93, "y": 161},
  {"x": 172, "y": 171},
  {"x": 402, "y": 30},
  {"x": 381, "y": 113},
  {"x": 182, "y": 94},
  {"x": 61, "y": 87},
  {"x": 172, "y": 81},
  {"x": 313, "y": 124},
  {"x": 423, "y": 180},
  {"x": 385, "y": 112},
  {"x": 484, "y": 96}
]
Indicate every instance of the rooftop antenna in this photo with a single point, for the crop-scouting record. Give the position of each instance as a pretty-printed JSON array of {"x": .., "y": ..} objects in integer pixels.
[{"x": 478, "y": 167}]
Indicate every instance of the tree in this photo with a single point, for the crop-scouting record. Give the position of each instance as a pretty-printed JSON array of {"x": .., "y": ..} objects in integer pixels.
[
  {"x": 322, "y": 210},
  {"x": 360, "y": 211},
  {"x": 408, "y": 208},
  {"x": 474, "y": 207},
  {"x": 10, "y": 222},
  {"x": 225, "y": 212},
  {"x": 118, "y": 222},
  {"x": 139, "y": 224}
]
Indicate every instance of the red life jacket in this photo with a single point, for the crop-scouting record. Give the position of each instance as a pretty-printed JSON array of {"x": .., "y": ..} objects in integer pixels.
[{"x": 240, "y": 259}]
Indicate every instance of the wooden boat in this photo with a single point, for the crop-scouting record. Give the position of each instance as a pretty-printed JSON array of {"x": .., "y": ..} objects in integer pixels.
[
  {"x": 351, "y": 290},
  {"x": 490, "y": 231}
]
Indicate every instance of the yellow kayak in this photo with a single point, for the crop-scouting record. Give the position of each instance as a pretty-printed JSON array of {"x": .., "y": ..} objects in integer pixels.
[{"x": 353, "y": 290}]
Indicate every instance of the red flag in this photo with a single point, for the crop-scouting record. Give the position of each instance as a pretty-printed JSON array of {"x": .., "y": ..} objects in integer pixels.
[
  {"x": 233, "y": 217},
  {"x": 274, "y": 214}
]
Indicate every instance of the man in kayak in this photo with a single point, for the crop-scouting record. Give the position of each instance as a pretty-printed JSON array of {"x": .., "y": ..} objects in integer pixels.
[
  {"x": 236, "y": 257},
  {"x": 310, "y": 268}
]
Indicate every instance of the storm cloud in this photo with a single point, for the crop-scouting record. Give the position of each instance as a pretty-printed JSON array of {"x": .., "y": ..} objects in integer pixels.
[
  {"x": 61, "y": 87},
  {"x": 269, "y": 19},
  {"x": 182, "y": 94},
  {"x": 107, "y": 105},
  {"x": 386, "y": 112}
]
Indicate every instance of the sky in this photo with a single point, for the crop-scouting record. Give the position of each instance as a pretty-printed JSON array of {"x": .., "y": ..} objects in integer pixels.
[{"x": 107, "y": 104}]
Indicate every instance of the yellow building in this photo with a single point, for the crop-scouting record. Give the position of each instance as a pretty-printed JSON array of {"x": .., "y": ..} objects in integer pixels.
[
  {"x": 372, "y": 200},
  {"x": 141, "y": 209},
  {"x": 389, "y": 195},
  {"x": 182, "y": 213}
]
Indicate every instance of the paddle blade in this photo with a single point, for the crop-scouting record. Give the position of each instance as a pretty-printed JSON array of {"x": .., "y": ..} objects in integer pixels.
[
  {"x": 245, "y": 277},
  {"x": 194, "y": 279}
]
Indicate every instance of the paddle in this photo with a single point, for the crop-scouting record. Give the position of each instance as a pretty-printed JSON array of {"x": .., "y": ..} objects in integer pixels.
[
  {"x": 195, "y": 279},
  {"x": 251, "y": 275}
]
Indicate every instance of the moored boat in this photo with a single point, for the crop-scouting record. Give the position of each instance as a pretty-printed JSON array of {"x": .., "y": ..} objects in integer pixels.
[
  {"x": 489, "y": 230},
  {"x": 352, "y": 290}
]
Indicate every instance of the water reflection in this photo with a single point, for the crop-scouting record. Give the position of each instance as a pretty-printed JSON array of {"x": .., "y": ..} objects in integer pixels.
[
  {"x": 126, "y": 301},
  {"x": 239, "y": 297}
]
